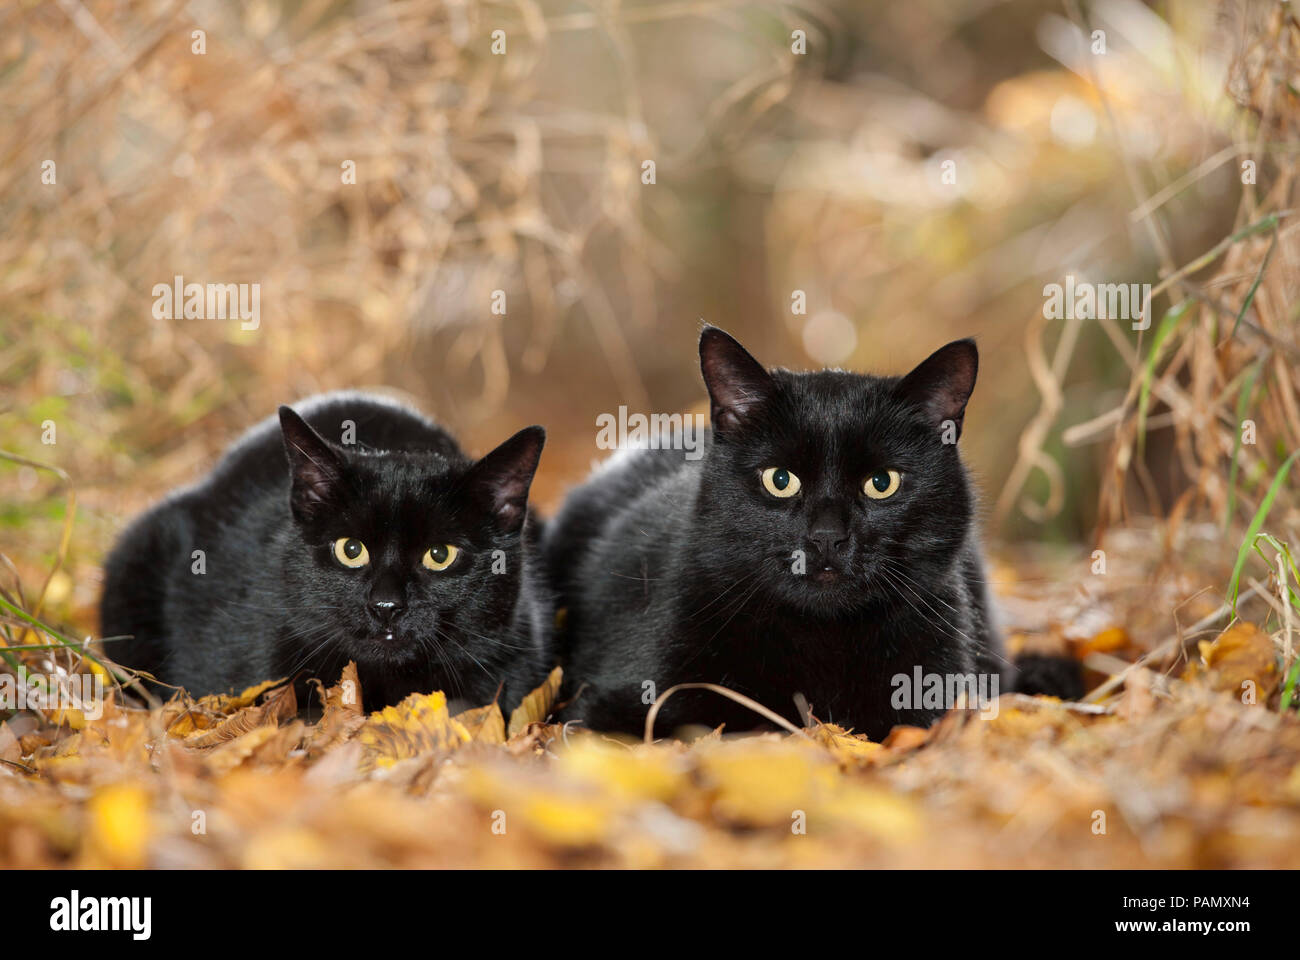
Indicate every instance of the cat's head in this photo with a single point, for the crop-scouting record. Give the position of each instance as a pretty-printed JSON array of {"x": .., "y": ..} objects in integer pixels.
[
  {"x": 835, "y": 489},
  {"x": 406, "y": 559}
]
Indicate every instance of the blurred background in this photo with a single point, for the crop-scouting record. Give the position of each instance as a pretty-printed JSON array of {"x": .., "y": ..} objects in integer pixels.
[{"x": 917, "y": 171}]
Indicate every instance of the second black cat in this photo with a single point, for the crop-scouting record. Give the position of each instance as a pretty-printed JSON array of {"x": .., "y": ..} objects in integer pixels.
[
  {"x": 298, "y": 554},
  {"x": 824, "y": 545}
]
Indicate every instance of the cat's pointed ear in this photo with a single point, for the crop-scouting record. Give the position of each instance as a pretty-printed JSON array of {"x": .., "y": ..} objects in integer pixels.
[
  {"x": 500, "y": 481},
  {"x": 737, "y": 383},
  {"x": 943, "y": 382},
  {"x": 315, "y": 467}
]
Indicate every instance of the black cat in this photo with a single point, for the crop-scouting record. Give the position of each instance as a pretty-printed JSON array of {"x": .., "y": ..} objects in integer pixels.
[
  {"x": 824, "y": 545},
  {"x": 297, "y": 554}
]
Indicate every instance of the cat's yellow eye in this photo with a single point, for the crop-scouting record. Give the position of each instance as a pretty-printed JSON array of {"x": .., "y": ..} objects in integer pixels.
[
  {"x": 882, "y": 484},
  {"x": 441, "y": 557},
  {"x": 351, "y": 552},
  {"x": 780, "y": 482}
]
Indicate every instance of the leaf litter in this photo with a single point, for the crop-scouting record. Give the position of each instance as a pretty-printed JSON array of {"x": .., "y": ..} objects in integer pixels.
[{"x": 1186, "y": 762}]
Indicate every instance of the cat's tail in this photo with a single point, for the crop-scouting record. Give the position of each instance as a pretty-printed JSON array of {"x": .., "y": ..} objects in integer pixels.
[{"x": 1049, "y": 674}]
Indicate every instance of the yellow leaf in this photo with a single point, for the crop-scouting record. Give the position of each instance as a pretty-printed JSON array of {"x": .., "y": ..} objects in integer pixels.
[
  {"x": 69, "y": 716},
  {"x": 536, "y": 707},
  {"x": 567, "y": 820},
  {"x": 224, "y": 703},
  {"x": 485, "y": 724},
  {"x": 1108, "y": 641},
  {"x": 117, "y": 832},
  {"x": 847, "y": 748},
  {"x": 761, "y": 783},
  {"x": 418, "y": 725},
  {"x": 644, "y": 773},
  {"x": 288, "y": 848},
  {"x": 886, "y": 814}
]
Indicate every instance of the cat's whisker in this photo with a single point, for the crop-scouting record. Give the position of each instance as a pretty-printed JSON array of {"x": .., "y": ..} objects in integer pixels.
[
  {"x": 453, "y": 675},
  {"x": 901, "y": 570},
  {"x": 900, "y": 578},
  {"x": 493, "y": 640},
  {"x": 899, "y": 586},
  {"x": 467, "y": 652},
  {"x": 302, "y": 663},
  {"x": 277, "y": 607},
  {"x": 734, "y": 609},
  {"x": 734, "y": 584}
]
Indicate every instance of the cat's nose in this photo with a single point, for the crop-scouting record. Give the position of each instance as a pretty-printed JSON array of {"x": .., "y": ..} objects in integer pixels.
[
  {"x": 829, "y": 532},
  {"x": 829, "y": 543},
  {"x": 386, "y": 611},
  {"x": 386, "y": 602}
]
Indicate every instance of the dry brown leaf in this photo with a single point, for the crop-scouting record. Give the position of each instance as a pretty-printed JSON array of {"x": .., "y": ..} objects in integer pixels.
[
  {"x": 281, "y": 704},
  {"x": 534, "y": 739},
  {"x": 225, "y": 703},
  {"x": 1137, "y": 700},
  {"x": 904, "y": 739},
  {"x": 224, "y": 757},
  {"x": 536, "y": 707},
  {"x": 485, "y": 724},
  {"x": 849, "y": 749},
  {"x": 1241, "y": 661},
  {"x": 31, "y": 742},
  {"x": 342, "y": 716},
  {"x": 183, "y": 717},
  {"x": 10, "y": 748}
]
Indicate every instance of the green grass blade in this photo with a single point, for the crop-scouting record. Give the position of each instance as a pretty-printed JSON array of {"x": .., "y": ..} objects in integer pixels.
[
  {"x": 1288, "y": 692},
  {"x": 1254, "y": 287},
  {"x": 1256, "y": 522},
  {"x": 65, "y": 641}
]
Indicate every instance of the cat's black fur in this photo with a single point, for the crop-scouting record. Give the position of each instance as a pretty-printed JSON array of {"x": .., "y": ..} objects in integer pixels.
[
  {"x": 274, "y": 600},
  {"x": 676, "y": 571}
]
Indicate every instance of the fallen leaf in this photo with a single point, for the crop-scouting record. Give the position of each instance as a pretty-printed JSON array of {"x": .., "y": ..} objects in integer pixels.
[
  {"x": 118, "y": 827},
  {"x": 225, "y": 703},
  {"x": 281, "y": 704},
  {"x": 1241, "y": 661},
  {"x": 640, "y": 773},
  {"x": 182, "y": 716},
  {"x": 760, "y": 782},
  {"x": 418, "y": 725},
  {"x": 569, "y": 821},
  {"x": 485, "y": 724},
  {"x": 1137, "y": 701},
  {"x": 887, "y": 815},
  {"x": 536, "y": 707},
  {"x": 1107, "y": 641},
  {"x": 342, "y": 716},
  {"x": 849, "y": 749},
  {"x": 10, "y": 748},
  {"x": 904, "y": 739}
]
